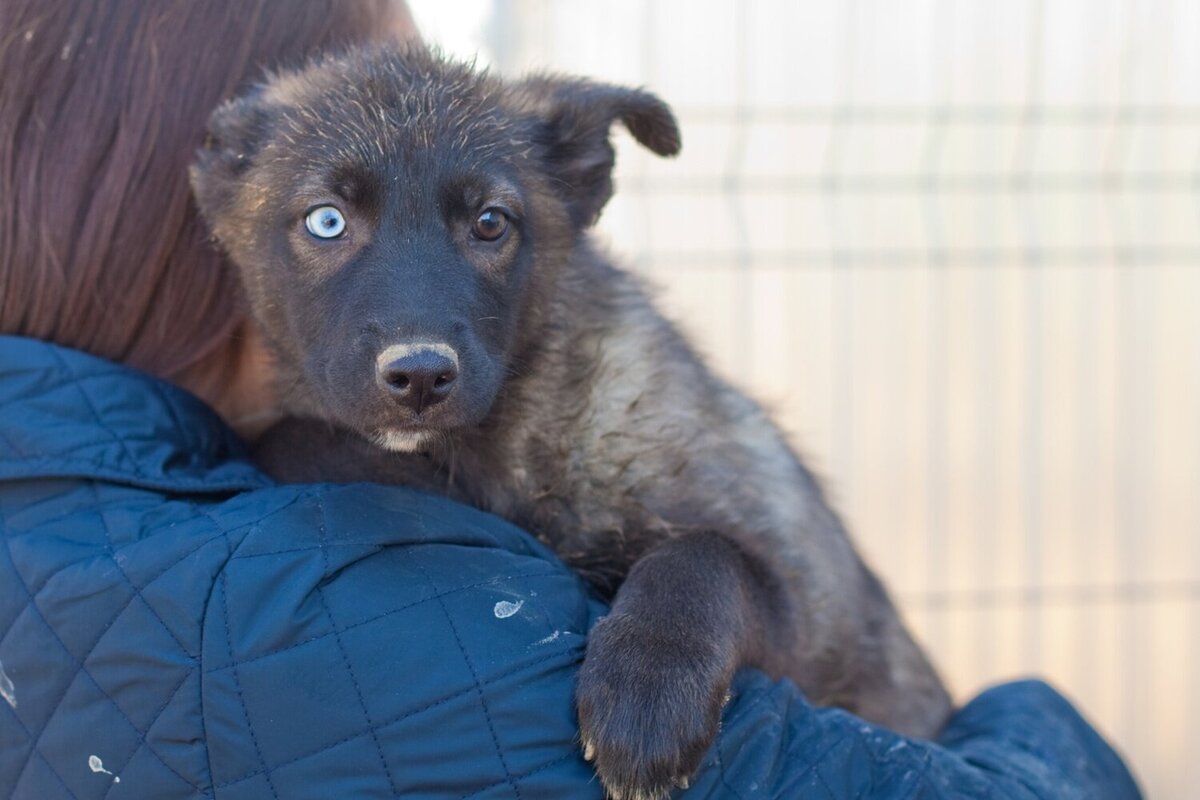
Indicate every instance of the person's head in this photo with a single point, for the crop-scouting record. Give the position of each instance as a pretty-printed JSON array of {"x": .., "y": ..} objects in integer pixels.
[{"x": 103, "y": 104}]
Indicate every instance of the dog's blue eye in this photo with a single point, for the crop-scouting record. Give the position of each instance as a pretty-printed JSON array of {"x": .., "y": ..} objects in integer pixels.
[{"x": 325, "y": 222}]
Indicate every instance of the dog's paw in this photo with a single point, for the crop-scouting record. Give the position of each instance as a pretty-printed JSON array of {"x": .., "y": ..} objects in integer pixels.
[{"x": 649, "y": 706}]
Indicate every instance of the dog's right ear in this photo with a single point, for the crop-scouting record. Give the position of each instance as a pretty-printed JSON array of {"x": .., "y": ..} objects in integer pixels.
[{"x": 236, "y": 130}]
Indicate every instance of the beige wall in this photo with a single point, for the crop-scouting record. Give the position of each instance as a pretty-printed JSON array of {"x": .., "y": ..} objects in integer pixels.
[{"x": 956, "y": 246}]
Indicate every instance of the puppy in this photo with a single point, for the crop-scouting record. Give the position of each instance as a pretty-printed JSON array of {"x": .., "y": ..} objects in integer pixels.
[{"x": 413, "y": 237}]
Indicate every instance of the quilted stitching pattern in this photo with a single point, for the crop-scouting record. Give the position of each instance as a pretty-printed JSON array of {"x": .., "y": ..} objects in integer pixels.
[
  {"x": 377, "y": 696},
  {"x": 79, "y": 683},
  {"x": 172, "y": 621},
  {"x": 336, "y": 651}
]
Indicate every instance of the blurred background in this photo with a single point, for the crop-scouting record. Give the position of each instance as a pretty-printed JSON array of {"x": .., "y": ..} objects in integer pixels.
[{"x": 955, "y": 245}]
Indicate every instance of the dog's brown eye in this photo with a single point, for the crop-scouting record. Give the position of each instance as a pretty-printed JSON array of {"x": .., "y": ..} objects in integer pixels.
[{"x": 491, "y": 224}]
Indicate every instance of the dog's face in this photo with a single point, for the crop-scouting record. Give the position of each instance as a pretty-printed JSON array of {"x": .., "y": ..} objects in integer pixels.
[{"x": 396, "y": 219}]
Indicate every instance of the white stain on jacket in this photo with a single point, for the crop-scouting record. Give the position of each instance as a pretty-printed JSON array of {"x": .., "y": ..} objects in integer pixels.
[
  {"x": 505, "y": 609},
  {"x": 548, "y": 639},
  {"x": 96, "y": 765},
  {"x": 8, "y": 689}
]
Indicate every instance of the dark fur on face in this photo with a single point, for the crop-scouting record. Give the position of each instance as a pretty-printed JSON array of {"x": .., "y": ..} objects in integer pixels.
[
  {"x": 463, "y": 318},
  {"x": 411, "y": 151}
]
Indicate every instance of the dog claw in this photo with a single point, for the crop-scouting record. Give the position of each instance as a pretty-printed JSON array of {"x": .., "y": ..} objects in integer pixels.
[
  {"x": 589, "y": 751},
  {"x": 683, "y": 782}
]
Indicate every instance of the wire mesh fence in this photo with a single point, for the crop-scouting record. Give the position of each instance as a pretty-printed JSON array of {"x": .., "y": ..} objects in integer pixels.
[{"x": 956, "y": 246}]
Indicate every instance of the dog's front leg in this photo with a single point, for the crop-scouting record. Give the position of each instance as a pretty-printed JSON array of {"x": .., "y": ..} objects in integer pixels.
[{"x": 658, "y": 667}]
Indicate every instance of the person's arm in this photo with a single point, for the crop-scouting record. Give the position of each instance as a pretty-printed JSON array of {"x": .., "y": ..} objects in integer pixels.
[{"x": 1019, "y": 741}]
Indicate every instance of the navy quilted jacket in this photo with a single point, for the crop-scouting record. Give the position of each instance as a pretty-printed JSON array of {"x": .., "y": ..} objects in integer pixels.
[{"x": 172, "y": 625}]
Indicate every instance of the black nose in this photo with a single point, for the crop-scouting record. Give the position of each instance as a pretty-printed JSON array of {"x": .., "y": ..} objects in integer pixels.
[{"x": 418, "y": 378}]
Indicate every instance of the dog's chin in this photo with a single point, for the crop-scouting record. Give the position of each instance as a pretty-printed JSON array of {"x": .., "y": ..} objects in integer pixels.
[
  {"x": 404, "y": 441},
  {"x": 403, "y": 433}
]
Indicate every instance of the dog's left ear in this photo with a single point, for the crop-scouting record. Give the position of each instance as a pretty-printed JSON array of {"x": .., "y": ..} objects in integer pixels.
[{"x": 574, "y": 121}]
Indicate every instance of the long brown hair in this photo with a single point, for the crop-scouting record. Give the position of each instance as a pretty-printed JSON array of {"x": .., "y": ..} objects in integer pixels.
[{"x": 102, "y": 106}]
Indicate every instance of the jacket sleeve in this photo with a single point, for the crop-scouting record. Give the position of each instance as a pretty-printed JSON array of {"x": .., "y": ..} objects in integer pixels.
[{"x": 1019, "y": 741}]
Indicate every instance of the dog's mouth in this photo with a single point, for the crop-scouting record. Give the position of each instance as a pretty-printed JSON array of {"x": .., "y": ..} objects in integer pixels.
[
  {"x": 406, "y": 432},
  {"x": 405, "y": 440},
  {"x": 386, "y": 425},
  {"x": 424, "y": 433},
  {"x": 376, "y": 416}
]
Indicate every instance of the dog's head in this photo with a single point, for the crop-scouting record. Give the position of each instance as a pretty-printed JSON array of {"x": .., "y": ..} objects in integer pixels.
[{"x": 395, "y": 217}]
